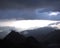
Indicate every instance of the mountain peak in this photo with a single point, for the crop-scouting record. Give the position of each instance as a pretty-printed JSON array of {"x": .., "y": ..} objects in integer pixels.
[{"x": 15, "y": 37}]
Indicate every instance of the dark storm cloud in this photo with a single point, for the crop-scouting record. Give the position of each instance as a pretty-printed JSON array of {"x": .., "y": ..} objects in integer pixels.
[
  {"x": 17, "y": 14},
  {"x": 19, "y": 8},
  {"x": 29, "y": 3}
]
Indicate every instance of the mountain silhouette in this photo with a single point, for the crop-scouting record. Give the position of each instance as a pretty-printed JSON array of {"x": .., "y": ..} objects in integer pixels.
[
  {"x": 38, "y": 33},
  {"x": 15, "y": 37},
  {"x": 31, "y": 42},
  {"x": 53, "y": 39},
  {"x": 54, "y": 36},
  {"x": 16, "y": 40}
]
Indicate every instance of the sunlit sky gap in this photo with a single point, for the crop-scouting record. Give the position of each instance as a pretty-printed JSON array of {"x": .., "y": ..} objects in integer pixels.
[{"x": 27, "y": 24}]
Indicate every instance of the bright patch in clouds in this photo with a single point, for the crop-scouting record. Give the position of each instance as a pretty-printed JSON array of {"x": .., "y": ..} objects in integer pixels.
[
  {"x": 54, "y": 13},
  {"x": 27, "y": 24}
]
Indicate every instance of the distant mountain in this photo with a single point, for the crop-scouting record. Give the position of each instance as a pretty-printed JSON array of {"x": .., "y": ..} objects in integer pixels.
[
  {"x": 52, "y": 40},
  {"x": 53, "y": 36},
  {"x": 39, "y": 33},
  {"x": 32, "y": 42}
]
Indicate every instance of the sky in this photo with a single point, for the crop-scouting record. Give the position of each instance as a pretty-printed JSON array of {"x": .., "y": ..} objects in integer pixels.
[
  {"x": 29, "y": 9},
  {"x": 29, "y": 14}
]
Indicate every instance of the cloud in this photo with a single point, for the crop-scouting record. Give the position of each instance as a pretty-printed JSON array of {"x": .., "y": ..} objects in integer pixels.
[
  {"x": 55, "y": 25},
  {"x": 38, "y": 13},
  {"x": 25, "y": 9},
  {"x": 19, "y": 4},
  {"x": 25, "y": 24},
  {"x": 47, "y": 13}
]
